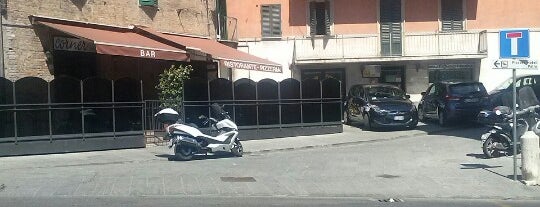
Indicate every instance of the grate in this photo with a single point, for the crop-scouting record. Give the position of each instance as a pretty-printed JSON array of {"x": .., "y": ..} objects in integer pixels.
[
  {"x": 388, "y": 176},
  {"x": 2, "y": 187},
  {"x": 238, "y": 179},
  {"x": 391, "y": 200}
]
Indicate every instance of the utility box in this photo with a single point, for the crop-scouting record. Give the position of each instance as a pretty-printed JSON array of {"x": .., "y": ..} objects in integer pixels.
[{"x": 152, "y": 3}]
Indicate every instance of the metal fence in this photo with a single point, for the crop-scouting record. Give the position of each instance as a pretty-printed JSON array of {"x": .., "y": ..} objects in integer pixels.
[
  {"x": 267, "y": 103},
  {"x": 32, "y": 109}
]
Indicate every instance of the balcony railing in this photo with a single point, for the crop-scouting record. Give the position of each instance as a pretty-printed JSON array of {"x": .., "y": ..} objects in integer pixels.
[{"x": 369, "y": 46}]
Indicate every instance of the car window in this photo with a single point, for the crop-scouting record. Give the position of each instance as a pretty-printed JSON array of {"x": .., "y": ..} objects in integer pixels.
[
  {"x": 384, "y": 92},
  {"x": 464, "y": 89},
  {"x": 432, "y": 90}
]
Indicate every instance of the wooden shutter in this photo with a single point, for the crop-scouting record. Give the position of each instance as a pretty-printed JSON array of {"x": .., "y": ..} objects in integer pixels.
[
  {"x": 452, "y": 15},
  {"x": 390, "y": 20},
  {"x": 327, "y": 20},
  {"x": 271, "y": 20},
  {"x": 312, "y": 19}
]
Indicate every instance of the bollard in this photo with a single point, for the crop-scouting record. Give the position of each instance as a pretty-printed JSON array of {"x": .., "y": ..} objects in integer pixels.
[{"x": 530, "y": 158}]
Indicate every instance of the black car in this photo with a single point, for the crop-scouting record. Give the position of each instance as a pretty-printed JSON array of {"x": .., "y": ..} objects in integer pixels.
[
  {"x": 379, "y": 106},
  {"x": 502, "y": 94},
  {"x": 447, "y": 101}
]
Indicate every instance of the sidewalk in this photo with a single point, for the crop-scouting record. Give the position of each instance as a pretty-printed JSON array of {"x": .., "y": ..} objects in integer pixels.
[{"x": 350, "y": 135}]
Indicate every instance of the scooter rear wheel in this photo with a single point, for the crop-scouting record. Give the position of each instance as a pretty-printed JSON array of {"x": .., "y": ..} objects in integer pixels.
[
  {"x": 237, "y": 149},
  {"x": 184, "y": 153}
]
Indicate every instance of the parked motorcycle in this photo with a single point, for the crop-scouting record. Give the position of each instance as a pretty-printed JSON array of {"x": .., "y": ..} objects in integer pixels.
[
  {"x": 186, "y": 140},
  {"x": 498, "y": 140}
]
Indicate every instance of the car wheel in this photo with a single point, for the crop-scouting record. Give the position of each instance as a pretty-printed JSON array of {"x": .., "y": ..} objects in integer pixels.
[
  {"x": 346, "y": 119},
  {"x": 421, "y": 115},
  {"x": 443, "y": 120},
  {"x": 367, "y": 123}
]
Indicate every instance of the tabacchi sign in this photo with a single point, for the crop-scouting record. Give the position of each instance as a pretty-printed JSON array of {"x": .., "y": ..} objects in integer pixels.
[
  {"x": 73, "y": 44},
  {"x": 252, "y": 66}
]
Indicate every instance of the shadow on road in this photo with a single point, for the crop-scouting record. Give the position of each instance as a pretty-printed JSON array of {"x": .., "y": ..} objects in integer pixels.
[{"x": 199, "y": 157}]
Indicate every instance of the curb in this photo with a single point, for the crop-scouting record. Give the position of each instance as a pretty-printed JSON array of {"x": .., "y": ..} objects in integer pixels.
[{"x": 348, "y": 143}]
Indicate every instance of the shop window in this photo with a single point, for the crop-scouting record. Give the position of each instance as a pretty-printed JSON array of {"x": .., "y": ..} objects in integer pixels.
[
  {"x": 271, "y": 20},
  {"x": 447, "y": 72},
  {"x": 452, "y": 15},
  {"x": 319, "y": 18}
]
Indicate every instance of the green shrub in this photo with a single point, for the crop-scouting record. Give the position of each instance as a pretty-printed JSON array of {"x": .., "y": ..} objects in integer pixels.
[{"x": 171, "y": 85}]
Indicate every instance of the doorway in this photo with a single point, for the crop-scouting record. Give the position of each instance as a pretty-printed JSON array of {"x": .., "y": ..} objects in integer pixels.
[{"x": 338, "y": 74}]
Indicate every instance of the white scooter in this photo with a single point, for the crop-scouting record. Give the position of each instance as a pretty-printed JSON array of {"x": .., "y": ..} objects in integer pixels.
[{"x": 186, "y": 140}]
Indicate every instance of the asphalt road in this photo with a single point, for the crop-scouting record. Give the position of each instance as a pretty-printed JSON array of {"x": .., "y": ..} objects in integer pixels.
[
  {"x": 254, "y": 201},
  {"x": 445, "y": 169}
]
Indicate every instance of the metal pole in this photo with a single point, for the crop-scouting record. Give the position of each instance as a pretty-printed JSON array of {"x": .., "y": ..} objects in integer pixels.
[
  {"x": 82, "y": 110},
  {"x": 514, "y": 120},
  {"x": 113, "y": 110},
  {"x": 14, "y": 111},
  {"x": 50, "y": 110}
]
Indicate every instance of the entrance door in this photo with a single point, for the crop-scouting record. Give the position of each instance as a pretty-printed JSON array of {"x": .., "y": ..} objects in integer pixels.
[
  {"x": 390, "y": 20},
  {"x": 320, "y": 75},
  {"x": 394, "y": 75}
]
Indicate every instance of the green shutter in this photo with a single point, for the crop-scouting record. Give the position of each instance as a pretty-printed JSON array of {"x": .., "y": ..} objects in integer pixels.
[
  {"x": 271, "y": 20},
  {"x": 390, "y": 25},
  {"x": 148, "y": 2},
  {"x": 452, "y": 15},
  {"x": 312, "y": 19}
]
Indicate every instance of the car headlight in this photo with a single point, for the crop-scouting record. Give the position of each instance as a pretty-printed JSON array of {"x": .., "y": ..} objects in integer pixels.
[{"x": 377, "y": 109}]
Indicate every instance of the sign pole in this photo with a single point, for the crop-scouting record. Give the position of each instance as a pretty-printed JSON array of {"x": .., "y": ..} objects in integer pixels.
[{"x": 514, "y": 120}]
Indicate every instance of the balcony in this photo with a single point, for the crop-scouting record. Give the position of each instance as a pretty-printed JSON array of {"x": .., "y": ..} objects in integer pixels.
[{"x": 416, "y": 46}]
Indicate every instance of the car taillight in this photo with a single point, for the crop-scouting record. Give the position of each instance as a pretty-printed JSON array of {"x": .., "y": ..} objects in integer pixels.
[{"x": 451, "y": 98}]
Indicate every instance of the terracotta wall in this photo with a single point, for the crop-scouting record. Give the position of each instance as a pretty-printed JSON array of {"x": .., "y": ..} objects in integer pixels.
[
  {"x": 421, "y": 15},
  {"x": 355, "y": 17},
  {"x": 497, "y": 14}
]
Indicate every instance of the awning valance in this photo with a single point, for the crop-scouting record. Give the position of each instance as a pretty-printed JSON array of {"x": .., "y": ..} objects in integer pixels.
[
  {"x": 228, "y": 56},
  {"x": 112, "y": 40}
]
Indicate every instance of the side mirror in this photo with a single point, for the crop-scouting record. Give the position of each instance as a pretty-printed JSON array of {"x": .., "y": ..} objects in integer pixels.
[
  {"x": 423, "y": 93},
  {"x": 408, "y": 96}
]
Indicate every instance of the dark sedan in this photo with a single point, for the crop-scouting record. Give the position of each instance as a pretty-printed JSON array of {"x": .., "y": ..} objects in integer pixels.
[{"x": 378, "y": 106}]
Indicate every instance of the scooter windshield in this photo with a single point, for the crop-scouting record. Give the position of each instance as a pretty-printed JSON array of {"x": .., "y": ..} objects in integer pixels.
[
  {"x": 218, "y": 112},
  {"x": 527, "y": 97}
]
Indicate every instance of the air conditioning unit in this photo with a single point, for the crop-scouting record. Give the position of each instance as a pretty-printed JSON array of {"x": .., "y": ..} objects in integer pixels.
[{"x": 153, "y": 3}]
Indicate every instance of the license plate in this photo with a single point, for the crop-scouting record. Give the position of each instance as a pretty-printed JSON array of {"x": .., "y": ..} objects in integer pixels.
[
  {"x": 399, "y": 118},
  {"x": 471, "y": 100}
]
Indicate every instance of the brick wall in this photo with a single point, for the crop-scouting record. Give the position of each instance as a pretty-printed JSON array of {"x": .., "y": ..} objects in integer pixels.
[{"x": 23, "y": 51}]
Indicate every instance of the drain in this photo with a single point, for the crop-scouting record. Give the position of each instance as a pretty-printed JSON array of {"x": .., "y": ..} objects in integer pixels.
[
  {"x": 238, "y": 179},
  {"x": 391, "y": 200},
  {"x": 388, "y": 176},
  {"x": 2, "y": 187}
]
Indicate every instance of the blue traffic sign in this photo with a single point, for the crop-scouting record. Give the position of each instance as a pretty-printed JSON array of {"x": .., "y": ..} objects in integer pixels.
[{"x": 514, "y": 43}]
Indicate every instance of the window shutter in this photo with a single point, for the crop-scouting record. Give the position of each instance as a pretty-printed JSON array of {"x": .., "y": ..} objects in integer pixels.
[
  {"x": 312, "y": 18},
  {"x": 327, "y": 20},
  {"x": 276, "y": 20},
  {"x": 452, "y": 15},
  {"x": 271, "y": 20},
  {"x": 390, "y": 17}
]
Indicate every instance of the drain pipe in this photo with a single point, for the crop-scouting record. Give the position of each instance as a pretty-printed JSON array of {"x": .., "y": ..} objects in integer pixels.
[{"x": 2, "y": 46}]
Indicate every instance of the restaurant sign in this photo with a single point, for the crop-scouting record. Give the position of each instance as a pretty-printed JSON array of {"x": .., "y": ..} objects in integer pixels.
[
  {"x": 73, "y": 44},
  {"x": 252, "y": 66}
]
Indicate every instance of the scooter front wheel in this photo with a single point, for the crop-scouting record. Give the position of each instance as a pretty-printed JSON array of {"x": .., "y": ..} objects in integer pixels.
[
  {"x": 490, "y": 147},
  {"x": 237, "y": 149},
  {"x": 184, "y": 153}
]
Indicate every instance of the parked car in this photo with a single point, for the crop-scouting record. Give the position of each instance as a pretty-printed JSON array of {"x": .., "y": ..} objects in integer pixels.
[
  {"x": 378, "y": 106},
  {"x": 502, "y": 94},
  {"x": 450, "y": 101}
]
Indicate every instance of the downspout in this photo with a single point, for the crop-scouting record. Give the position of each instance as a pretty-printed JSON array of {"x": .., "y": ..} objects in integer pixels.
[{"x": 2, "y": 73}]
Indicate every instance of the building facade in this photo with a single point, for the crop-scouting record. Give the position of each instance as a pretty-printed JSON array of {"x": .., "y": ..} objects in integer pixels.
[
  {"x": 408, "y": 43},
  {"x": 24, "y": 54}
]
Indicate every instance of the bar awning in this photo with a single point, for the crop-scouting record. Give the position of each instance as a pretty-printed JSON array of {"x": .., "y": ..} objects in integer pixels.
[
  {"x": 111, "y": 40},
  {"x": 228, "y": 56}
]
